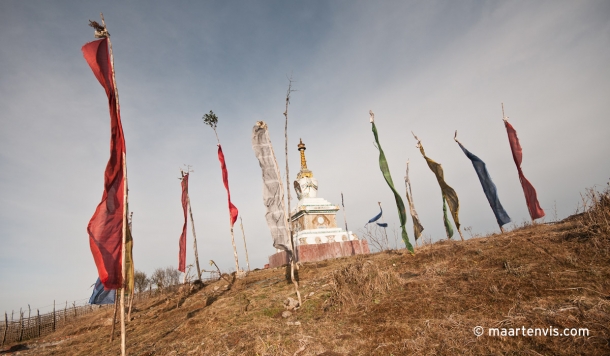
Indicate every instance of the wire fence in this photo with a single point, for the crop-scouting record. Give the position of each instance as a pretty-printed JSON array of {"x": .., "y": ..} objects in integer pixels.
[
  {"x": 33, "y": 326},
  {"x": 30, "y": 326}
]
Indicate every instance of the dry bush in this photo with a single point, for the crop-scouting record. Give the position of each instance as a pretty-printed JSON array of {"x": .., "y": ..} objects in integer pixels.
[
  {"x": 360, "y": 283},
  {"x": 595, "y": 220},
  {"x": 376, "y": 236}
]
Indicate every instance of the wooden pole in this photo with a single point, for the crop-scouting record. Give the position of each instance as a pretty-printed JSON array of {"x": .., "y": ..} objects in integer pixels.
[
  {"x": 294, "y": 255},
  {"x": 133, "y": 290},
  {"x": 38, "y": 321},
  {"x": 188, "y": 201},
  {"x": 344, "y": 217},
  {"x": 65, "y": 312},
  {"x": 53, "y": 315},
  {"x": 116, "y": 305},
  {"x": 234, "y": 249},
  {"x": 125, "y": 201},
  {"x": 29, "y": 315},
  {"x": 385, "y": 233},
  {"x": 74, "y": 308},
  {"x": 241, "y": 223},
  {"x": 20, "y": 325}
]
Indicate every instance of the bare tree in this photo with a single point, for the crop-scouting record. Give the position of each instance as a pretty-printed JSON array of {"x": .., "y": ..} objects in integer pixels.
[
  {"x": 172, "y": 276},
  {"x": 141, "y": 281},
  {"x": 376, "y": 237},
  {"x": 158, "y": 278}
]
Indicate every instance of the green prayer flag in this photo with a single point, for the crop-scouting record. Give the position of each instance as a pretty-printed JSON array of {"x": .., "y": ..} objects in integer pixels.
[{"x": 383, "y": 165}]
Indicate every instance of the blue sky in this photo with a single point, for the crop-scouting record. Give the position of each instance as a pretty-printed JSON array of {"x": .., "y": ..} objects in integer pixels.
[{"x": 429, "y": 67}]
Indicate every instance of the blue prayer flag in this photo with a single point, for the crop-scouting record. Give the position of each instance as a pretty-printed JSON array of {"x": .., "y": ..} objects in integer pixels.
[
  {"x": 488, "y": 187},
  {"x": 101, "y": 296},
  {"x": 377, "y": 217}
]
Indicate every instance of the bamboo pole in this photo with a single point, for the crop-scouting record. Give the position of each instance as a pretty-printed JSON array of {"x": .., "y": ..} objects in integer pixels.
[
  {"x": 123, "y": 270},
  {"x": 234, "y": 248},
  {"x": 132, "y": 292},
  {"x": 461, "y": 236},
  {"x": 188, "y": 201},
  {"x": 294, "y": 255},
  {"x": 125, "y": 200},
  {"x": 385, "y": 233},
  {"x": 344, "y": 217},
  {"x": 116, "y": 305},
  {"x": 241, "y": 223}
]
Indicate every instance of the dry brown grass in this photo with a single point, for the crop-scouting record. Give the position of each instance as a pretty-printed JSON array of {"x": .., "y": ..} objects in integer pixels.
[{"x": 389, "y": 303}]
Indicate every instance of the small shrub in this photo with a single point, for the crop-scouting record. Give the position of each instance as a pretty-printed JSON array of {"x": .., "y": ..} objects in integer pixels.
[{"x": 360, "y": 283}]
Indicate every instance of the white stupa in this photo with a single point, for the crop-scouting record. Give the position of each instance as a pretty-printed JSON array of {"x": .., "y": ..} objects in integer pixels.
[{"x": 314, "y": 219}]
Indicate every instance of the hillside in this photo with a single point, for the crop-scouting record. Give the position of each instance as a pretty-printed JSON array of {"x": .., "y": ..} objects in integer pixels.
[{"x": 389, "y": 303}]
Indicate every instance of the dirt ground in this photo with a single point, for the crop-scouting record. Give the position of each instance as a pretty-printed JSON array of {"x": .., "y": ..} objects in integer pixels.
[{"x": 390, "y": 303}]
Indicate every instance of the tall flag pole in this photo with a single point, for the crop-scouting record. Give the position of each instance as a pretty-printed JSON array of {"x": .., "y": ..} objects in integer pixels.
[
  {"x": 400, "y": 205},
  {"x": 273, "y": 192},
  {"x": 449, "y": 195},
  {"x": 385, "y": 230},
  {"x": 184, "y": 181},
  {"x": 488, "y": 185},
  {"x": 232, "y": 209},
  {"x": 129, "y": 265},
  {"x": 417, "y": 226},
  {"x": 531, "y": 197},
  {"x": 186, "y": 205},
  {"x": 188, "y": 202},
  {"x": 211, "y": 120},
  {"x": 294, "y": 257},
  {"x": 108, "y": 227}
]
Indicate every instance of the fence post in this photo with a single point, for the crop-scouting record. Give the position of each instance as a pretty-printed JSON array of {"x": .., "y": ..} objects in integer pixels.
[
  {"x": 29, "y": 315},
  {"x": 38, "y": 321},
  {"x": 5, "y": 328},
  {"x": 74, "y": 306},
  {"x": 20, "y": 325},
  {"x": 53, "y": 315}
]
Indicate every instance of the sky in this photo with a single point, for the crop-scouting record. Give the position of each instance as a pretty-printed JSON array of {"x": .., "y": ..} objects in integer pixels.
[{"x": 428, "y": 67}]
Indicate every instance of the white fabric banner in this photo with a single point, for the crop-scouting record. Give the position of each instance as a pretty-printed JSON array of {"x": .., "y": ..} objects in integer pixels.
[{"x": 273, "y": 191}]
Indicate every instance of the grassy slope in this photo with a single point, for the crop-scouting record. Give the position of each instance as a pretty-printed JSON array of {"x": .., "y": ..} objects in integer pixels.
[{"x": 389, "y": 303}]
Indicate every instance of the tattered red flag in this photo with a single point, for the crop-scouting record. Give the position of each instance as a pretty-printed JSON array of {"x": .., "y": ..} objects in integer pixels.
[
  {"x": 531, "y": 198},
  {"x": 225, "y": 179},
  {"x": 182, "y": 253},
  {"x": 106, "y": 226}
]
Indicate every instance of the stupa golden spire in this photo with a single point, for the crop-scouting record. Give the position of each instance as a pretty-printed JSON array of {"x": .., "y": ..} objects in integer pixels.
[{"x": 304, "y": 173}]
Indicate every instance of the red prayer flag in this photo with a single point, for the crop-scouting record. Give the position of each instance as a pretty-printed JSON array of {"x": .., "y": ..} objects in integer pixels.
[
  {"x": 182, "y": 253},
  {"x": 531, "y": 198},
  {"x": 106, "y": 226},
  {"x": 225, "y": 179}
]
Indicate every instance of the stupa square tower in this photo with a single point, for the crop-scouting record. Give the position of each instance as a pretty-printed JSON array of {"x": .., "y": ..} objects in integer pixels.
[{"x": 314, "y": 224}]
